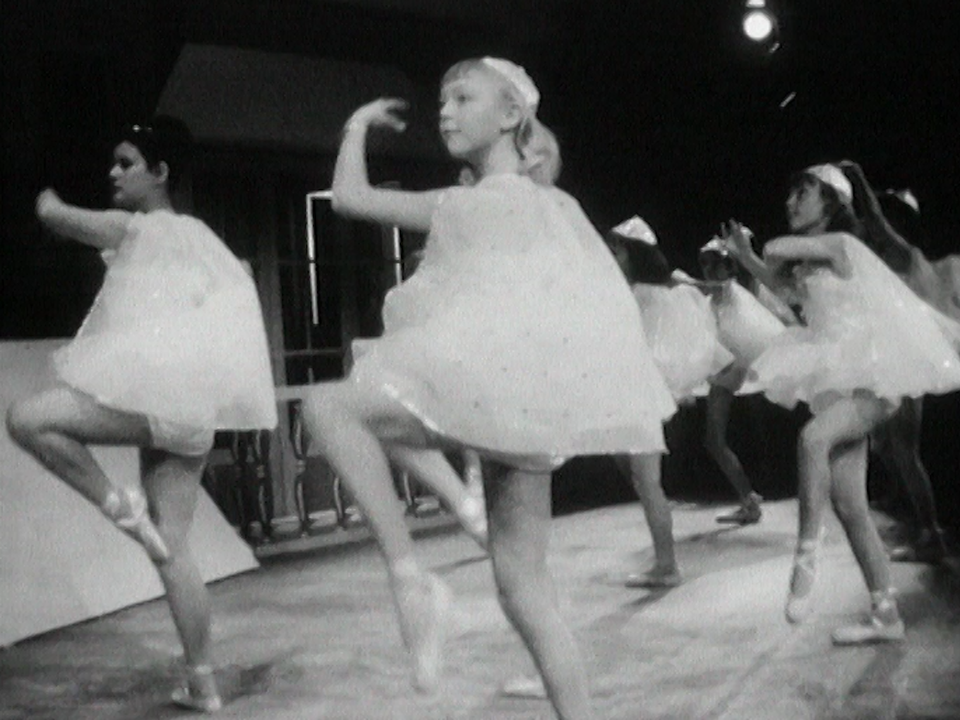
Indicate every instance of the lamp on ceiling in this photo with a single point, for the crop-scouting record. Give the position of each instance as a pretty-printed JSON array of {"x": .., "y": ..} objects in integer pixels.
[{"x": 760, "y": 26}]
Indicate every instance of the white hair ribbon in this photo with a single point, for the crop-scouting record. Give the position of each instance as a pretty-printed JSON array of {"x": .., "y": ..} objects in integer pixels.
[
  {"x": 636, "y": 228},
  {"x": 833, "y": 176},
  {"x": 517, "y": 77}
]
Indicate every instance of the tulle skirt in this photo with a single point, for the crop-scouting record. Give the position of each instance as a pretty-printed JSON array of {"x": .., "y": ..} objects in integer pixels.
[
  {"x": 682, "y": 332},
  {"x": 518, "y": 336}
]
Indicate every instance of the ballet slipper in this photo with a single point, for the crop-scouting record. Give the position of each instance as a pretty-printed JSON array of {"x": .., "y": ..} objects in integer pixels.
[
  {"x": 199, "y": 692},
  {"x": 930, "y": 547},
  {"x": 655, "y": 580},
  {"x": 136, "y": 523},
  {"x": 883, "y": 624},
  {"x": 426, "y": 606},
  {"x": 526, "y": 687},
  {"x": 747, "y": 514},
  {"x": 472, "y": 514},
  {"x": 800, "y": 599}
]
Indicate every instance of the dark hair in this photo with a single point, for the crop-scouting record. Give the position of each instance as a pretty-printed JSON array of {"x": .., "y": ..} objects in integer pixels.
[
  {"x": 904, "y": 217},
  {"x": 645, "y": 263},
  {"x": 841, "y": 215},
  {"x": 163, "y": 139}
]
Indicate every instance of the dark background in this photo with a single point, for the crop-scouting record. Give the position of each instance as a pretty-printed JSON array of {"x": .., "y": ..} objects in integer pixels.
[{"x": 661, "y": 106}]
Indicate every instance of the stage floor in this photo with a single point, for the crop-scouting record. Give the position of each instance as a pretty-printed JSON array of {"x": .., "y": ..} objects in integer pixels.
[{"x": 312, "y": 635}]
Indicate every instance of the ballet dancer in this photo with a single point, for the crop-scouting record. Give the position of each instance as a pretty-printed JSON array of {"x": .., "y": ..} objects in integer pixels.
[
  {"x": 868, "y": 341},
  {"x": 748, "y": 319},
  {"x": 682, "y": 333},
  {"x": 517, "y": 337},
  {"x": 172, "y": 350}
]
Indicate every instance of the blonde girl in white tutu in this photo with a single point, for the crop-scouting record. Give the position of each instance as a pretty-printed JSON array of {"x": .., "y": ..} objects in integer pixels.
[
  {"x": 868, "y": 341},
  {"x": 517, "y": 337},
  {"x": 172, "y": 350}
]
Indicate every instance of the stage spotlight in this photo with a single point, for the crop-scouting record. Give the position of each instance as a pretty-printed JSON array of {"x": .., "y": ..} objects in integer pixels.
[
  {"x": 757, "y": 25},
  {"x": 760, "y": 26}
]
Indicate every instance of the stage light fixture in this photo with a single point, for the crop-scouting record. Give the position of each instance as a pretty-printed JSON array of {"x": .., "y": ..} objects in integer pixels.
[{"x": 758, "y": 25}]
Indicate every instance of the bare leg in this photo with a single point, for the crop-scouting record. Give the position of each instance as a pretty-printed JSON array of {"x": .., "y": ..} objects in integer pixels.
[
  {"x": 645, "y": 474},
  {"x": 719, "y": 400},
  {"x": 900, "y": 454},
  {"x": 339, "y": 418},
  {"x": 432, "y": 468},
  {"x": 518, "y": 506},
  {"x": 849, "y": 496},
  {"x": 837, "y": 429},
  {"x": 57, "y": 425},
  {"x": 171, "y": 483}
]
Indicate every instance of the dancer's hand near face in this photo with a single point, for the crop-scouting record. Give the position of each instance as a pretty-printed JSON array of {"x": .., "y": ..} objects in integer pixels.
[{"x": 383, "y": 112}]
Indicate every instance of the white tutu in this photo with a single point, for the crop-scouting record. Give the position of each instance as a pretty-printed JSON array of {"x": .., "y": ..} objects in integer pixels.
[
  {"x": 868, "y": 331},
  {"x": 517, "y": 335},
  {"x": 176, "y": 332},
  {"x": 682, "y": 332},
  {"x": 745, "y": 326}
]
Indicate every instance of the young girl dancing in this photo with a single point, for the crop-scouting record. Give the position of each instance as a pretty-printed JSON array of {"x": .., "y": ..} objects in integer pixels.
[
  {"x": 746, "y": 322},
  {"x": 517, "y": 337},
  {"x": 868, "y": 341},
  {"x": 897, "y": 442},
  {"x": 173, "y": 349},
  {"x": 682, "y": 333}
]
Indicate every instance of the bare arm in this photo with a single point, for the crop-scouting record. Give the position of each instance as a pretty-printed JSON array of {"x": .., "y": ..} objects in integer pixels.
[
  {"x": 888, "y": 243},
  {"x": 824, "y": 249},
  {"x": 355, "y": 197},
  {"x": 739, "y": 243},
  {"x": 104, "y": 229}
]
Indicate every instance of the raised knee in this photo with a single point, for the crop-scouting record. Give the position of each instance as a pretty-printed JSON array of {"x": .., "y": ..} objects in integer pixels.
[{"x": 23, "y": 421}]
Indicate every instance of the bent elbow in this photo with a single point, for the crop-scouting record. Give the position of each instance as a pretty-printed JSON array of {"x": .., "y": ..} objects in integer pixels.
[{"x": 343, "y": 204}]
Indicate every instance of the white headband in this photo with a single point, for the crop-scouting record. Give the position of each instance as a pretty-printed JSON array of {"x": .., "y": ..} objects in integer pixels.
[
  {"x": 717, "y": 245},
  {"x": 517, "y": 77},
  {"x": 636, "y": 229},
  {"x": 725, "y": 247},
  {"x": 909, "y": 198},
  {"x": 833, "y": 176}
]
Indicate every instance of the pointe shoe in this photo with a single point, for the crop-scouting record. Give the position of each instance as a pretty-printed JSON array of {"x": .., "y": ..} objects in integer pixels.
[
  {"x": 427, "y": 621},
  {"x": 527, "y": 687},
  {"x": 472, "y": 514},
  {"x": 199, "y": 692},
  {"x": 654, "y": 580},
  {"x": 883, "y": 624},
  {"x": 800, "y": 597},
  {"x": 930, "y": 547},
  {"x": 747, "y": 514},
  {"x": 138, "y": 525}
]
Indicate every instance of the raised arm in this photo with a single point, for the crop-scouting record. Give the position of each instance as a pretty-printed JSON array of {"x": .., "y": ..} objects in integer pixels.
[
  {"x": 733, "y": 233},
  {"x": 104, "y": 229},
  {"x": 887, "y": 242},
  {"x": 819, "y": 249},
  {"x": 355, "y": 197}
]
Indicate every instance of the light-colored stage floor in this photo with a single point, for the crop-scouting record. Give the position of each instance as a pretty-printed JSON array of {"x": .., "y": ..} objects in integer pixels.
[{"x": 313, "y": 636}]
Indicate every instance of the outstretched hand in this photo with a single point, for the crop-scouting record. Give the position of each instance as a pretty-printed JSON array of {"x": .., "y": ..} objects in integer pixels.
[
  {"x": 382, "y": 112},
  {"x": 737, "y": 238}
]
